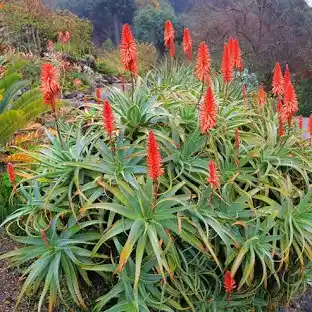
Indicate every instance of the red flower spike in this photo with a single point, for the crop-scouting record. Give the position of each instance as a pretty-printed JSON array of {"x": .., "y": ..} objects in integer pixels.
[
  {"x": 290, "y": 103},
  {"x": 108, "y": 118},
  {"x": 213, "y": 179},
  {"x": 168, "y": 34},
  {"x": 187, "y": 44},
  {"x": 262, "y": 96},
  {"x": 238, "y": 62},
  {"x": 128, "y": 51},
  {"x": 310, "y": 125},
  {"x": 278, "y": 80},
  {"x": 49, "y": 85},
  {"x": 203, "y": 63},
  {"x": 300, "y": 122},
  {"x": 287, "y": 79},
  {"x": 226, "y": 66},
  {"x": 155, "y": 169},
  {"x": 66, "y": 37},
  {"x": 237, "y": 139},
  {"x": 231, "y": 46},
  {"x": 50, "y": 46},
  {"x": 229, "y": 284},
  {"x": 44, "y": 238},
  {"x": 98, "y": 95},
  {"x": 11, "y": 173},
  {"x": 279, "y": 107},
  {"x": 60, "y": 37},
  {"x": 208, "y": 112}
]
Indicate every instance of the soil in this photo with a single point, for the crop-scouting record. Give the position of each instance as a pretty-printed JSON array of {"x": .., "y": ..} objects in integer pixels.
[
  {"x": 10, "y": 283},
  {"x": 302, "y": 304}
]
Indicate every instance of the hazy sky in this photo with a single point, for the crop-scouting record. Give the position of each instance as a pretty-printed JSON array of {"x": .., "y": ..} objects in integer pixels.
[{"x": 309, "y": 2}]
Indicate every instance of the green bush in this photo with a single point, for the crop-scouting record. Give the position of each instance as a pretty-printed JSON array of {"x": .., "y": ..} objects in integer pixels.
[
  {"x": 149, "y": 21},
  {"x": 32, "y": 24},
  {"x": 109, "y": 63},
  {"x": 304, "y": 90},
  {"x": 8, "y": 204},
  {"x": 166, "y": 246}
]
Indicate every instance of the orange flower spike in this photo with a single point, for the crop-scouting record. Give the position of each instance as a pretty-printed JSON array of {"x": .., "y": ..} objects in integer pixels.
[
  {"x": 232, "y": 47},
  {"x": 50, "y": 46},
  {"x": 66, "y": 37},
  {"x": 279, "y": 106},
  {"x": 168, "y": 34},
  {"x": 2, "y": 4},
  {"x": 290, "y": 103},
  {"x": 203, "y": 64},
  {"x": 187, "y": 44},
  {"x": 128, "y": 51},
  {"x": 213, "y": 178},
  {"x": 11, "y": 174},
  {"x": 300, "y": 122},
  {"x": 262, "y": 96},
  {"x": 155, "y": 169},
  {"x": 98, "y": 95},
  {"x": 229, "y": 284},
  {"x": 60, "y": 37},
  {"x": 50, "y": 85},
  {"x": 208, "y": 112},
  {"x": 226, "y": 66},
  {"x": 237, "y": 139},
  {"x": 108, "y": 118},
  {"x": 238, "y": 61},
  {"x": 287, "y": 78},
  {"x": 172, "y": 49},
  {"x": 278, "y": 80},
  {"x": 44, "y": 238}
]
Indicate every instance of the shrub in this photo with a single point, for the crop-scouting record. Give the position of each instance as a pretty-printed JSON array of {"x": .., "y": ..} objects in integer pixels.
[
  {"x": 304, "y": 96},
  {"x": 110, "y": 63},
  {"x": 8, "y": 204},
  {"x": 32, "y": 24}
]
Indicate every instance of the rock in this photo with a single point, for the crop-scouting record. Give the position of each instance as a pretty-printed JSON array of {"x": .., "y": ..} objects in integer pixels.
[
  {"x": 90, "y": 60},
  {"x": 69, "y": 94},
  {"x": 98, "y": 78},
  {"x": 100, "y": 85},
  {"x": 80, "y": 96}
]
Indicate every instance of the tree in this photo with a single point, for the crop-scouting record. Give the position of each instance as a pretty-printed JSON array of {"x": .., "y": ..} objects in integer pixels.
[
  {"x": 149, "y": 24},
  {"x": 106, "y": 15},
  {"x": 270, "y": 30}
]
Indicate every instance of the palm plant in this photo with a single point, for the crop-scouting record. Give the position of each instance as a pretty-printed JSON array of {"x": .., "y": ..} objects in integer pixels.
[{"x": 15, "y": 104}]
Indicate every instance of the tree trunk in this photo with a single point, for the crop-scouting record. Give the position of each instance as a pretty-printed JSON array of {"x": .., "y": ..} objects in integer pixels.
[{"x": 117, "y": 29}]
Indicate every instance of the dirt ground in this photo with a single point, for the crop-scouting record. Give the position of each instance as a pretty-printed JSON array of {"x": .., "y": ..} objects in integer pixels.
[{"x": 10, "y": 283}]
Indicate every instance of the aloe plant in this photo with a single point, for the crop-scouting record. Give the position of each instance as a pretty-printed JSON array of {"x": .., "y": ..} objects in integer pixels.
[
  {"x": 169, "y": 249},
  {"x": 56, "y": 254}
]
